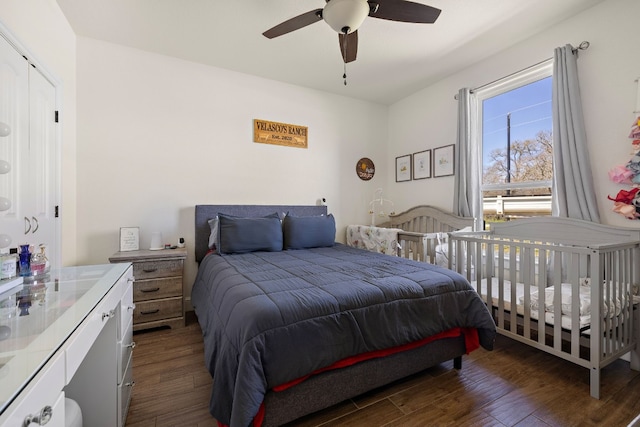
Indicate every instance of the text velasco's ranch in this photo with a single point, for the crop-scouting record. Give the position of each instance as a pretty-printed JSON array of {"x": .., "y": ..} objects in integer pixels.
[{"x": 279, "y": 133}]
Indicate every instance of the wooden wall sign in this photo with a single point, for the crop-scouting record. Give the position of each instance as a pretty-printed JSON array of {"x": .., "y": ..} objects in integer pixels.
[{"x": 276, "y": 133}]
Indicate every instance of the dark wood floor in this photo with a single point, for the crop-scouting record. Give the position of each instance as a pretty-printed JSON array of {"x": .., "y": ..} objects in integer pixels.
[{"x": 514, "y": 385}]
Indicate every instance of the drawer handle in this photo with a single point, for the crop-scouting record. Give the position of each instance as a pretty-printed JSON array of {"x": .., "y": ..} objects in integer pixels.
[
  {"x": 131, "y": 384},
  {"x": 149, "y": 270},
  {"x": 131, "y": 346},
  {"x": 150, "y": 312},
  {"x": 41, "y": 419},
  {"x": 108, "y": 315},
  {"x": 146, "y": 291}
]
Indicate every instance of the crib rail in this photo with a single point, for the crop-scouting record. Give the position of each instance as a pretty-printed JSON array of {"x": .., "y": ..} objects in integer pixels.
[
  {"x": 420, "y": 246},
  {"x": 573, "y": 301}
]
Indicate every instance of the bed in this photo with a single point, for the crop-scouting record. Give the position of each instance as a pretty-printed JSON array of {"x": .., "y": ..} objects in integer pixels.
[
  {"x": 565, "y": 286},
  {"x": 424, "y": 230},
  {"x": 290, "y": 332}
]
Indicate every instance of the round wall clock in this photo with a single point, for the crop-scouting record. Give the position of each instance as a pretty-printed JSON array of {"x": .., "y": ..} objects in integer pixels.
[{"x": 365, "y": 169}]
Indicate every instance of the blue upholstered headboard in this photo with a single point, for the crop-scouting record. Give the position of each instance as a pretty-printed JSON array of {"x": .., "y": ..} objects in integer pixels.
[{"x": 205, "y": 212}]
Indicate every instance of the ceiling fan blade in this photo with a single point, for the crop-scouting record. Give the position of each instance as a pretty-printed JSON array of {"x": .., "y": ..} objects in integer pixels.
[
  {"x": 293, "y": 24},
  {"x": 349, "y": 47},
  {"x": 403, "y": 11}
]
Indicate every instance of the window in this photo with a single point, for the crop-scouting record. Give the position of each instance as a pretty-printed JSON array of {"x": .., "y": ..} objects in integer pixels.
[{"x": 515, "y": 133}]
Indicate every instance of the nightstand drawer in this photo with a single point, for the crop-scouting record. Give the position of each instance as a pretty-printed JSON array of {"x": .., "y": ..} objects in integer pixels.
[
  {"x": 159, "y": 268},
  {"x": 157, "y": 288},
  {"x": 157, "y": 309}
]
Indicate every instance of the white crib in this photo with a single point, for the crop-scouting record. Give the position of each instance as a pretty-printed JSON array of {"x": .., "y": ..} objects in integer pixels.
[{"x": 547, "y": 277}]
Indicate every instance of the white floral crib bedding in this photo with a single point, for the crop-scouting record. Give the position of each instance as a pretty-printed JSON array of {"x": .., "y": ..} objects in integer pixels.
[
  {"x": 375, "y": 239},
  {"x": 584, "y": 296}
]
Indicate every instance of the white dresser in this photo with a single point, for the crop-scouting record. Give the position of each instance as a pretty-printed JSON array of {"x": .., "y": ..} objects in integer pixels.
[{"x": 69, "y": 335}]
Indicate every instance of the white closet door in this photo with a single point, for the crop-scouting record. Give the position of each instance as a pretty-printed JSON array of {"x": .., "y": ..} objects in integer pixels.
[
  {"x": 14, "y": 113},
  {"x": 42, "y": 170},
  {"x": 27, "y": 106}
]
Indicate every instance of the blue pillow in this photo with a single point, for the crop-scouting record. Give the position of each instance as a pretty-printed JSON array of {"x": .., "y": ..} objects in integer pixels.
[
  {"x": 241, "y": 235},
  {"x": 309, "y": 231}
]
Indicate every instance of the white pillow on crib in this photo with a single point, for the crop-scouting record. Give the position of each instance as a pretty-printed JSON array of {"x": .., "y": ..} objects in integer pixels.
[
  {"x": 586, "y": 281},
  {"x": 442, "y": 248},
  {"x": 442, "y": 255},
  {"x": 584, "y": 299}
]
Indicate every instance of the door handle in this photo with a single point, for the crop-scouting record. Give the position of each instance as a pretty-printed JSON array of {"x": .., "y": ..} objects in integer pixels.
[
  {"x": 35, "y": 220},
  {"x": 27, "y": 225}
]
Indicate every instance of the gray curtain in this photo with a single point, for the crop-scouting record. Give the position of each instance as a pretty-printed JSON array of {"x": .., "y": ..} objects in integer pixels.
[
  {"x": 573, "y": 195},
  {"x": 467, "y": 200}
]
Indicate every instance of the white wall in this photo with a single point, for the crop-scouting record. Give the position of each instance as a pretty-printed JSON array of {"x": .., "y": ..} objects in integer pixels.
[
  {"x": 41, "y": 28},
  {"x": 158, "y": 135},
  {"x": 607, "y": 73}
]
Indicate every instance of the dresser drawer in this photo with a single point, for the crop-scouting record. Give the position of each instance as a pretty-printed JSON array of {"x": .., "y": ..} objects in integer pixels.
[
  {"x": 85, "y": 335},
  {"x": 149, "y": 311},
  {"x": 157, "y": 268},
  {"x": 157, "y": 288},
  {"x": 124, "y": 393},
  {"x": 126, "y": 309},
  {"x": 44, "y": 391},
  {"x": 125, "y": 349}
]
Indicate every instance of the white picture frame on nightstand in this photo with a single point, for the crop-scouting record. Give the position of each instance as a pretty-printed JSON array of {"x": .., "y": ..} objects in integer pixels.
[{"x": 129, "y": 239}]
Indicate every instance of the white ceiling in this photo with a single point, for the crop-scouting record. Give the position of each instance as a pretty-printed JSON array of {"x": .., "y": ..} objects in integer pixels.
[{"x": 394, "y": 59}]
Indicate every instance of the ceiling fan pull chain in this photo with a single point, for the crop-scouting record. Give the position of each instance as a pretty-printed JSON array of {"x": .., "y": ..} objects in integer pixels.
[
  {"x": 344, "y": 76},
  {"x": 344, "y": 49}
]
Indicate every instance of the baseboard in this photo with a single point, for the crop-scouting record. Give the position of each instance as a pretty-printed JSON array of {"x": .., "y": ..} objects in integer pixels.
[{"x": 187, "y": 304}]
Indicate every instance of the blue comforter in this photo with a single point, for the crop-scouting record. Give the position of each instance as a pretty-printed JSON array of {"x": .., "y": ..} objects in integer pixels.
[{"x": 271, "y": 317}]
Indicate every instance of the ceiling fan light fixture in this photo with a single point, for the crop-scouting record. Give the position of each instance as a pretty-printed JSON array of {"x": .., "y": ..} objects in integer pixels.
[{"x": 345, "y": 16}]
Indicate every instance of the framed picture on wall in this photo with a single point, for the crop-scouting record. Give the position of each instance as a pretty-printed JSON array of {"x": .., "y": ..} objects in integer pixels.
[
  {"x": 422, "y": 164},
  {"x": 443, "y": 160},
  {"x": 403, "y": 168}
]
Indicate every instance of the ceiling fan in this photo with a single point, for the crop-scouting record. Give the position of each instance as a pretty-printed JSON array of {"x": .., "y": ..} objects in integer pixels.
[{"x": 346, "y": 16}]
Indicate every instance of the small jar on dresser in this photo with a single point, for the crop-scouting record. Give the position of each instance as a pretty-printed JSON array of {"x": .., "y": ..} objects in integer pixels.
[{"x": 157, "y": 286}]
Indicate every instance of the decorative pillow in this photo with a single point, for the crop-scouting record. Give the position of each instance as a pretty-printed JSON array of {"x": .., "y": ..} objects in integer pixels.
[
  {"x": 214, "y": 237},
  {"x": 214, "y": 242},
  {"x": 241, "y": 235},
  {"x": 309, "y": 231}
]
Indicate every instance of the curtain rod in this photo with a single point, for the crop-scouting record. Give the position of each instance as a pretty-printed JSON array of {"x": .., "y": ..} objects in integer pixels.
[{"x": 582, "y": 46}]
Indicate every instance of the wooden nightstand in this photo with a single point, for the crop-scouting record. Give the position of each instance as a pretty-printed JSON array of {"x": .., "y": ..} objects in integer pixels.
[{"x": 157, "y": 289}]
